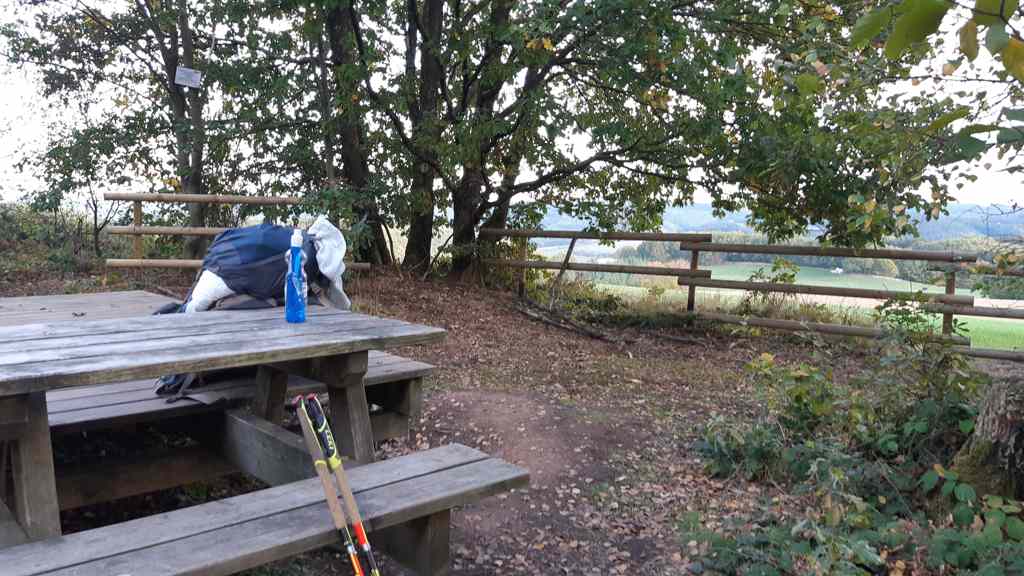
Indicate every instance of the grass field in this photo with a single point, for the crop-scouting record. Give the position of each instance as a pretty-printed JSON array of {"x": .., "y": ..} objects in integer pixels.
[
  {"x": 995, "y": 333},
  {"x": 983, "y": 332},
  {"x": 824, "y": 277}
]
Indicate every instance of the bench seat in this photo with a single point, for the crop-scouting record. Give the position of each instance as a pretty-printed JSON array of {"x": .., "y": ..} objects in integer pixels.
[
  {"x": 406, "y": 501},
  {"x": 392, "y": 382}
]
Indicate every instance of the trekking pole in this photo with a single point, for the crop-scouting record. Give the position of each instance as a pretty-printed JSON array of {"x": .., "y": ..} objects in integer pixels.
[
  {"x": 313, "y": 444},
  {"x": 330, "y": 449}
]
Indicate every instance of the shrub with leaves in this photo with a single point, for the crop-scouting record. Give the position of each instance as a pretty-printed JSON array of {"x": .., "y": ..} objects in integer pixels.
[
  {"x": 868, "y": 455},
  {"x": 767, "y": 302}
]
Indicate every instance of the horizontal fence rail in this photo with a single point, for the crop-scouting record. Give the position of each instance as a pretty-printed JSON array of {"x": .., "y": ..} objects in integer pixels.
[
  {"x": 613, "y": 268},
  {"x": 810, "y": 289},
  {"x": 981, "y": 269},
  {"x": 166, "y": 230},
  {"x": 981, "y": 311},
  {"x": 892, "y": 254},
  {"x": 138, "y": 230},
  {"x": 159, "y": 263},
  {"x": 949, "y": 304},
  {"x": 204, "y": 198},
  {"x": 192, "y": 264},
  {"x": 587, "y": 235},
  {"x": 820, "y": 327}
]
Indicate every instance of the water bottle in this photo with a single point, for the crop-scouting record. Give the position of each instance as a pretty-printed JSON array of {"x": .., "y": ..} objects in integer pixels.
[{"x": 295, "y": 281}]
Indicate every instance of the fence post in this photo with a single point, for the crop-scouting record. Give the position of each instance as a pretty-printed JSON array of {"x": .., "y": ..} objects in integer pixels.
[
  {"x": 137, "y": 221},
  {"x": 691, "y": 293},
  {"x": 523, "y": 255},
  {"x": 558, "y": 279},
  {"x": 947, "y": 318}
]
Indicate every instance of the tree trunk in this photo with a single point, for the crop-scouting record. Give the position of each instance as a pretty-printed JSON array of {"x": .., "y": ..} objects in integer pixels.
[
  {"x": 992, "y": 461},
  {"x": 421, "y": 231},
  {"x": 467, "y": 200},
  {"x": 189, "y": 125},
  {"x": 354, "y": 156},
  {"x": 465, "y": 205},
  {"x": 96, "y": 228},
  {"x": 423, "y": 114},
  {"x": 497, "y": 219}
]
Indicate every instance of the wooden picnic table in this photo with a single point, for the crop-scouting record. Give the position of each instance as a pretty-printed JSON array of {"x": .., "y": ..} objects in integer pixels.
[{"x": 331, "y": 347}]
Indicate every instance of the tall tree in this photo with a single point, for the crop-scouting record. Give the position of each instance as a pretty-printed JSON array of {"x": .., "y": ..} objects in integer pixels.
[
  {"x": 130, "y": 53},
  {"x": 262, "y": 122},
  {"x": 349, "y": 129},
  {"x": 614, "y": 109}
]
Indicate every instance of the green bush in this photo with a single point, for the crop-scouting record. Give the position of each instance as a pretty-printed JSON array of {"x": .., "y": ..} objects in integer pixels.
[
  {"x": 766, "y": 302},
  {"x": 507, "y": 277},
  {"x": 868, "y": 455},
  {"x": 753, "y": 452}
]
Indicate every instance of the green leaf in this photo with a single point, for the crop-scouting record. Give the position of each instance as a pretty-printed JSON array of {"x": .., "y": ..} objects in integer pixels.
[
  {"x": 1015, "y": 115},
  {"x": 978, "y": 128},
  {"x": 865, "y": 554},
  {"x": 966, "y": 426},
  {"x": 1009, "y": 136},
  {"x": 987, "y": 12},
  {"x": 948, "y": 118},
  {"x": 929, "y": 480},
  {"x": 970, "y": 146},
  {"x": 996, "y": 39},
  {"x": 965, "y": 493},
  {"x": 995, "y": 518},
  {"x": 919, "y": 19},
  {"x": 969, "y": 40},
  {"x": 948, "y": 488},
  {"x": 808, "y": 84},
  {"x": 992, "y": 535},
  {"x": 1015, "y": 528},
  {"x": 963, "y": 515},
  {"x": 991, "y": 570},
  {"x": 1013, "y": 58},
  {"x": 870, "y": 25}
]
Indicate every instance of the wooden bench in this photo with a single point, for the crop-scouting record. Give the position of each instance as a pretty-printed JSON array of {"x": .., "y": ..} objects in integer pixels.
[
  {"x": 405, "y": 501},
  {"x": 393, "y": 387}
]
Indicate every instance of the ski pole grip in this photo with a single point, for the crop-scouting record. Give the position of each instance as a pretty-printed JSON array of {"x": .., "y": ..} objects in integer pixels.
[{"x": 323, "y": 431}]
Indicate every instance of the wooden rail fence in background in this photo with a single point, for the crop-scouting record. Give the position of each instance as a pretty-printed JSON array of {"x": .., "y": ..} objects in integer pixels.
[
  {"x": 138, "y": 230},
  {"x": 949, "y": 304}
]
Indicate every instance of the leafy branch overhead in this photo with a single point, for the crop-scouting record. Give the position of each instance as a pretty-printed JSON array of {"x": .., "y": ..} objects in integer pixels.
[{"x": 910, "y": 28}]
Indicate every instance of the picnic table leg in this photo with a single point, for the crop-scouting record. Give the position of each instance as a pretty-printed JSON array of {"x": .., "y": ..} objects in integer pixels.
[
  {"x": 350, "y": 413},
  {"x": 271, "y": 388},
  {"x": 421, "y": 545},
  {"x": 35, "y": 487}
]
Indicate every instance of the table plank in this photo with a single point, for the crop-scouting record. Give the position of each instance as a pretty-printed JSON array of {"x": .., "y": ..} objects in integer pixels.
[
  {"x": 22, "y": 310},
  {"x": 381, "y": 364},
  {"x": 173, "y": 329},
  {"x": 85, "y": 328},
  {"x": 189, "y": 338},
  {"x": 46, "y": 375}
]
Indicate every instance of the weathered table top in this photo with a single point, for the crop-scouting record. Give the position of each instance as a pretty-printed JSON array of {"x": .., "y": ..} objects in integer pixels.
[
  {"x": 20, "y": 310},
  {"x": 64, "y": 353}
]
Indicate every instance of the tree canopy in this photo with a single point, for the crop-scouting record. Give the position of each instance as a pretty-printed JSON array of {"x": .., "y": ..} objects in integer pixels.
[
  {"x": 427, "y": 114},
  {"x": 972, "y": 58}
]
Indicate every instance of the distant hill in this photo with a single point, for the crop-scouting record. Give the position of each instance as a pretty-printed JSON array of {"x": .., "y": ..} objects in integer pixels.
[{"x": 963, "y": 220}]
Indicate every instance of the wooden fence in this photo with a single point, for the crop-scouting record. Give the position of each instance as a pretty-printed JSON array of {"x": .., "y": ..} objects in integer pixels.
[
  {"x": 138, "y": 230},
  {"x": 949, "y": 304}
]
